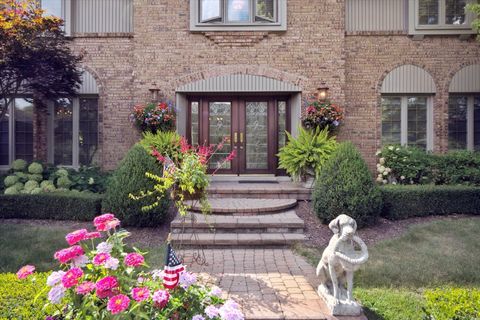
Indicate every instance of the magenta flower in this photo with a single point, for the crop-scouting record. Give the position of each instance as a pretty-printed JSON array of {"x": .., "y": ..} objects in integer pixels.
[
  {"x": 134, "y": 259},
  {"x": 25, "y": 271},
  {"x": 76, "y": 236},
  {"x": 65, "y": 255},
  {"x": 107, "y": 283},
  {"x": 118, "y": 304},
  {"x": 140, "y": 294},
  {"x": 100, "y": 258},
  {"x": 106, "y": 222},
  {"x": 72, "y": 277},
  {"x": 93, "y": 235},
  {"x": 85, "y": 287},
  {"x": 161, "y": 298}
]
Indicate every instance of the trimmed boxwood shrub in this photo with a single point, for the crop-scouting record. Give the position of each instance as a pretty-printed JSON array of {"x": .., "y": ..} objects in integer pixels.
[
  {"x": 346, "y": 186},
  {"x": 402, "y": 202},
  {"x": 130, "y": 178},
  {"x": 452, "y": 303},
  {"x": 58, "y": 206},
  {"x": 17, "y": 297}
]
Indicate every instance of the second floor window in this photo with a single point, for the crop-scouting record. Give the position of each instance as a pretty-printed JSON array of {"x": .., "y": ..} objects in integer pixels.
[
  {"x": 240, "y": 14},
  {"x": 53, "y": 8},
  {"x": 442, "y": 13}
]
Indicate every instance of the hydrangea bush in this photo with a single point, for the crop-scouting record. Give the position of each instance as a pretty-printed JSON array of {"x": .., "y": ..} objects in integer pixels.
[{"x": 101, "y": 281}]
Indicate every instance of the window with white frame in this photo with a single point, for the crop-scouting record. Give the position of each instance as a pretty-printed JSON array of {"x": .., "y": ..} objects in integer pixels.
[
  {"x": 440, "y": 17},
  {"x": 16, "y": 132},
  {"x": 407, "y": 120},
  {"x": 464, "y": 122},
  {"x": 238, "y": 15},
  {"x": 73, "y": 131}
]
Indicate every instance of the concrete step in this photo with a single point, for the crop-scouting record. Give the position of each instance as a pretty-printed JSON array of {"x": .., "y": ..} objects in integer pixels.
[
  {"x": 245, "y": 206},
  {"x": 285, "y": 222},
  {"x": 241, "y": 239},
  {"x": 258, "y": 191}
]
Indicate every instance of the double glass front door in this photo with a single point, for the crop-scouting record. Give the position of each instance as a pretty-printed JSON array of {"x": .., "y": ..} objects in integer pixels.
[{"x": 253, "y": 127}]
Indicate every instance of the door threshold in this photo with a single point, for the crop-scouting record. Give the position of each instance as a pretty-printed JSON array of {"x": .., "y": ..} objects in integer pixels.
[{"x": 248, "y": 177}]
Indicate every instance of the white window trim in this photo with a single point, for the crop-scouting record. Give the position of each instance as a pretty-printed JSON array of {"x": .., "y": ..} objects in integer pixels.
[
  {"x": 197, "y": 25},
  {"x": 441, "y": 28},
  {"x": 404, "y": 119}
]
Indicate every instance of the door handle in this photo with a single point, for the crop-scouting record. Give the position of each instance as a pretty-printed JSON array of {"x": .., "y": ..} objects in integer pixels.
[
  {"x": 235, "y": 137},
  {"x": 241, "y": 137}
]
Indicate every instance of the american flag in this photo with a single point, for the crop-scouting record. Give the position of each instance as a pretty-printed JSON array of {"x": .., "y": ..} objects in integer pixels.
[
  {"x": 168, "y": 166},
  {"x": 173, "y": 269}
]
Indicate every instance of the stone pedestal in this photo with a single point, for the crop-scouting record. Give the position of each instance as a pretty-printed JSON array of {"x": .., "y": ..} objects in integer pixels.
[{"x": 342, "y": 307}]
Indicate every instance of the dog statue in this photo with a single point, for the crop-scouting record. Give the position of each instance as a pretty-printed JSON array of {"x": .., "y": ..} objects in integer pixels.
[{"x": 340, "y": 260}]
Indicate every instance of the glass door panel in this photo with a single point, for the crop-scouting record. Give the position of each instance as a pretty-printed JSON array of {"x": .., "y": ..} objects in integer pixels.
[
  {"x": 219, "y": 130},
  {"x": 256, "y": 132}
]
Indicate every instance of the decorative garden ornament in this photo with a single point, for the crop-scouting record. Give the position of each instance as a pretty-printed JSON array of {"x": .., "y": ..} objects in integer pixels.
[{"x": 339, "y": 261}]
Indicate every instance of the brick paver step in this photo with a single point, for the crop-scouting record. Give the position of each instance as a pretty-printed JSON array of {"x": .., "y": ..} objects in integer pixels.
[
  {"x": 245, "y": 206},
  {"x": 233, "y": 239},
  {"x": 282, "y": 190},
  {"x": 269, "y": 223}
]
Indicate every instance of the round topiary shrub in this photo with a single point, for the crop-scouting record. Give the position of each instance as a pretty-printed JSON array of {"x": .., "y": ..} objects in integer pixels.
[
  {"x": 30, "y": 185},
  {"x": 64, "y": 182},
  {"x": 346, "y": 186},
  {"x": 11, "y": 190},
  {"x": 10, "y": 181},
  {"x": 35, "y": 168},
  {"x": 130, "y": 178},
  {"x": 19, "y": 165}
]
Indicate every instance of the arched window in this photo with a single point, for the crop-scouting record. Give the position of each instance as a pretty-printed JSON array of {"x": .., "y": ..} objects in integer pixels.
[
  {"x": 73, "y": 127},
  {"x": 407, "y": 107},
  {"x": 464, "y": 110}
]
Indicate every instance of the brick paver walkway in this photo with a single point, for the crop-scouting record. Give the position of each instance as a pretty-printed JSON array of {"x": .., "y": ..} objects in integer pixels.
[{"x": 268, "y": 283}]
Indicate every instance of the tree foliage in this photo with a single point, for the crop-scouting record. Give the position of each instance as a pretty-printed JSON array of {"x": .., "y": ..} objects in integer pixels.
[
  {"x": 34, "y": 56},
  {"x": 475, "y": 8}
]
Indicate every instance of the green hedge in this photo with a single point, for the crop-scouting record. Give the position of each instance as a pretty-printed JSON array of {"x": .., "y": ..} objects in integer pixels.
[
  {"x": 58, "y": 206},
  {"x": 402, "y": 202},
  {"x": 452, "y": 303},
  {"x": 17, "y": 297}
]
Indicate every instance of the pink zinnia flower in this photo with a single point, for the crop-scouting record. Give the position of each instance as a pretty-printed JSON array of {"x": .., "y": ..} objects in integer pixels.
[
  {"x": 85, "y": 287},
  {"x": 72, "y": 277},
  {"x": 134, "y": 259},
  {"x": 161, "y": 298},
  {"x": 107, "y": 283},
  {"x": 68, "y": 254},
  {"x": 25, "y": 271},
  {"x": 107, "y": 293},
  {"x": 140, "y": 294},
  {"x": 100, "y": 258},
  {"x": 93, "y": 235},
  {"x": 76, "y": 236},
  {"x": 106, "y": 222},
  {"x": 118, "y": 304}
]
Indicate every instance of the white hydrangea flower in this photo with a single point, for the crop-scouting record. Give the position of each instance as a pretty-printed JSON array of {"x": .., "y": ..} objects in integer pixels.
[
  {"x": 381, "y": 169},
  {"x": 380, "y": 179},
  {"x": 391, "y": 148},
  {"x": 388, "y": 170},
  {"x": 379, "y": 152},
  {"x": 398, "y": 149},
  {"x": 402, "y": 177},
  {"x": 382, "y": 160},
  {"x": 385, "y": 181},
  {"x": 394, "y": 182},
  {"x": 385, "y": 173}
]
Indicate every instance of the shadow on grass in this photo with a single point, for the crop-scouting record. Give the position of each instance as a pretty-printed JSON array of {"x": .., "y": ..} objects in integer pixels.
[{"x": 372, "y": 315}]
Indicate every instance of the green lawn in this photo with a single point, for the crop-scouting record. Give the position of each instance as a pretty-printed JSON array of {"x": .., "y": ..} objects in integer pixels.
[
  {"x": 441, "y": 253},
  {"x": 26, "y": 244}
]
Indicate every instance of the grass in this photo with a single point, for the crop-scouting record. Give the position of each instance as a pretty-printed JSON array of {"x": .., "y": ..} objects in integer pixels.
[
  {"x": 26, "y": 244},
  {"x": 442, "y": 253}
]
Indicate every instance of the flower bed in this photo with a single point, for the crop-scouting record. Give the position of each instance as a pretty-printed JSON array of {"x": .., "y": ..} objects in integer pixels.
[{"x": 103, "y": 280}]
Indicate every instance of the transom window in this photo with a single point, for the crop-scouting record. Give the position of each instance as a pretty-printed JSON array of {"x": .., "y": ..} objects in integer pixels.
[
  {"x": 238, "y": 15},
  {"x": 407, "y": 120},
  {"x": 464, "y": 122}
]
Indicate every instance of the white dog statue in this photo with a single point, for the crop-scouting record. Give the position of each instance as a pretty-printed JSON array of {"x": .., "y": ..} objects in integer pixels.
[{"x": 340, "y": 260}]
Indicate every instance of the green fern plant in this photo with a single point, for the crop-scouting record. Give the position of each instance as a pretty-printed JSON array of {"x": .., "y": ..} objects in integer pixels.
[{"x": 306, "y": 154}]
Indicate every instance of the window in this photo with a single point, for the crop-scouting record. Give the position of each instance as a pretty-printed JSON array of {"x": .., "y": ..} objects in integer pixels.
[
  {"x": 440, "y": 17},
  {"x": 73, "y": 139},
  {"x": 407, "y": 120},
  {"x": 16, "y": 132},
  {"x": 464, "y": 122},
  {"x": 52, "y": 7},
  {"x": 237, "y": 15}
]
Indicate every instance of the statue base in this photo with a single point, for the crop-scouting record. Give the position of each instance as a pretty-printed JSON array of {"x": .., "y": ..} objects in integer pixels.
[{"x": 340, "y": 307}]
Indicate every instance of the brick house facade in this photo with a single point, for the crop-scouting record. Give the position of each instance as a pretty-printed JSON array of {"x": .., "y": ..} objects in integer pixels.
[{"x": 318, "y": 46}]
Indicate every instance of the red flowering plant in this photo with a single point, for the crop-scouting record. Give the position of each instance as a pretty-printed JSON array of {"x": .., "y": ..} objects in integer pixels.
[
  {"x": 99, "y": 279},
  {"x": 322, "y": 115},
  {"x": 154, "y": 117},
  {"x": 186, "y": 178}
]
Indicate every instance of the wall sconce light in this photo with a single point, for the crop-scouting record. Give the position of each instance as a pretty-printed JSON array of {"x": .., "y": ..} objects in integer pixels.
[
  {"x": 154, "y": 91},
  {"x": 322, "y": 92}
]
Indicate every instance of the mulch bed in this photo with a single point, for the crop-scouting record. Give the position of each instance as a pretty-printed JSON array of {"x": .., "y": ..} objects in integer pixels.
[{"x": 319, "y": 234}]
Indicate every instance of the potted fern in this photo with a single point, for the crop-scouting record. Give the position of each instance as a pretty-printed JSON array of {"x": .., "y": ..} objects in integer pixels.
[{"x": 303, "y": 156}]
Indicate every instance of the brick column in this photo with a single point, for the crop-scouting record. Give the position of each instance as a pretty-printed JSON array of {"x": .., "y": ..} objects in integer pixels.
[{"x": 40, "y": 118}]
